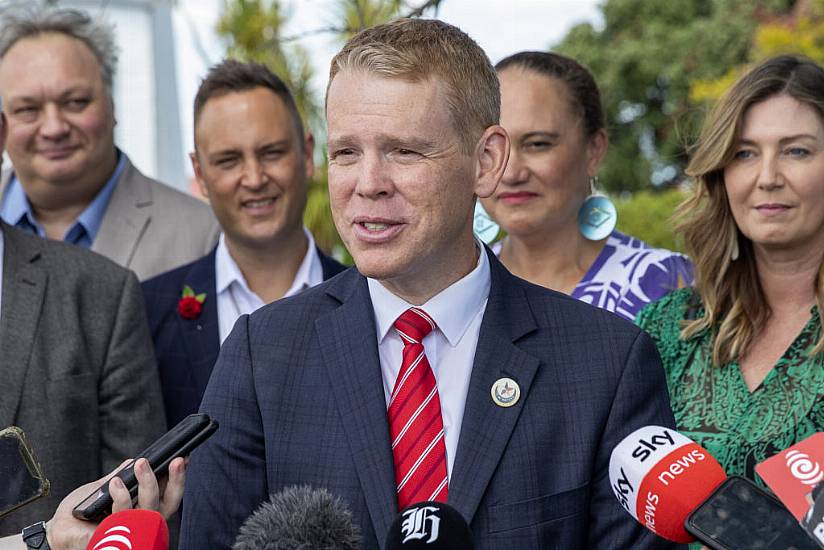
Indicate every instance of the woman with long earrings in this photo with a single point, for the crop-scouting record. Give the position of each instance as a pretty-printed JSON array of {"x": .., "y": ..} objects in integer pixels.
[
  {"x": 744, "y": 350},
  {"x": 560, "y": 232}
]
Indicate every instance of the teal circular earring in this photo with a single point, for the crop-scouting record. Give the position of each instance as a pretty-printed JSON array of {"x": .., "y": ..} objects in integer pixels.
[
  {"x": 484, "y": 227},
  {"x": 597, "y": 216}
]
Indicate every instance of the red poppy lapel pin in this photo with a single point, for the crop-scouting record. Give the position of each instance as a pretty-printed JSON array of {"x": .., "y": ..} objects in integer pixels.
[{"x": 190, "y": 305}]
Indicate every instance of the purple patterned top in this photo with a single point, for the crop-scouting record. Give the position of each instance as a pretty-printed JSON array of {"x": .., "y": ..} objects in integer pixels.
[{"x": 628, "y": 274}]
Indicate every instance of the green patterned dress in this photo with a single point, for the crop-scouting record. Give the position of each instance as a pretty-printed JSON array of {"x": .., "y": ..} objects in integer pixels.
[{"x": 713, "y": 406}]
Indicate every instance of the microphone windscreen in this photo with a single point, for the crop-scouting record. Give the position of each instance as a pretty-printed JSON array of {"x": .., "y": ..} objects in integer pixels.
[
  {"x": 299, "y": 518},
  {"x": 660, "y": 476},
  {"x": 429, "y": 526},
  {"x": 131, "y": 530}
]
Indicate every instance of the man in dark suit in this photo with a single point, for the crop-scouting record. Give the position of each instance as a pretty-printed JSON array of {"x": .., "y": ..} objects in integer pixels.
[
  {"x": 430, "y": 372},
  {"x": 253, "y": 161}
]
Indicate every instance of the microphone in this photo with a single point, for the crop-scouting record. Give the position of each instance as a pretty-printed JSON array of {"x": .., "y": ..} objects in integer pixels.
[
  {"x": 298, "y": 518},
  {"x": 660, "y": 476},
  {"x": 792, "y": 473},
  {"x": 131, "y": 530},
  {"x": 429, "y": 526}
]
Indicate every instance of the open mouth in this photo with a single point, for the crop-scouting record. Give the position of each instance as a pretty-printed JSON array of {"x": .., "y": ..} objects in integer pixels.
[
  {"x": 376, "y": 231},
  {"x": 375, "y": 226},
  {"x": 259, "y": 203}
]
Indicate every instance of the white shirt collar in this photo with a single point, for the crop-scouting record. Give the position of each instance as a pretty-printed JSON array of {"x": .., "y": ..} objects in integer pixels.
[
  {"x": 310, "y": 272},
  {"x": 452, "y": 309}
]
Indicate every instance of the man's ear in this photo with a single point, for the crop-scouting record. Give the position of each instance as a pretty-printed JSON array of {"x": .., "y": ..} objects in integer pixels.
[
  {"x": 3, "y": 132},
  {"x": 201, "y": 183},
  {"x": 309, "y": 155},
  {"x": 492, "y": 154}
]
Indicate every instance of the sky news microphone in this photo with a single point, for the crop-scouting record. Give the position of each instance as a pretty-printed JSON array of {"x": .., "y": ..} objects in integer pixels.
[
  {"x": 429, "y": 526},
  {"x": 299, "y": 518},
  {"x": 660, "y": 476},
  {"x": 131, "y": 530}
]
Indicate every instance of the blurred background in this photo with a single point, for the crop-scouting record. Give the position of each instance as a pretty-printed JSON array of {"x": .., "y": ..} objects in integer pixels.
[{"x": 659, "y": 63}]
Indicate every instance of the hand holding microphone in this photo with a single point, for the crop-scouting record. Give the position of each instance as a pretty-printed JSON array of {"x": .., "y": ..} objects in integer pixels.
[{"x": 65, "y": 532}]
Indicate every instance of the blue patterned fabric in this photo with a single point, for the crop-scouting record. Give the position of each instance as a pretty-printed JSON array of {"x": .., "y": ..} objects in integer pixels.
[{"x": 628, "y": 274}]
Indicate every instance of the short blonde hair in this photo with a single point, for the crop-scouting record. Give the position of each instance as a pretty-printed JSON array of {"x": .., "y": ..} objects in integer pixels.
[
  {"x": 418, "y": 49},
  {"x": 735, "y": 307}
]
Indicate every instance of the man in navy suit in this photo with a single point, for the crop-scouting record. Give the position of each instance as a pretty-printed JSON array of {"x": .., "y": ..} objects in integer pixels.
[
  {"x": 253, "y": 161},
  {"x": 429, "y": 372}
]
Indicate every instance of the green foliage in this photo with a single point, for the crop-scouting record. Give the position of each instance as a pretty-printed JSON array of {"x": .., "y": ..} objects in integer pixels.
[
  {"x": 254, "y": 29},
  {"x": 802, "y": 33},
  {"x": 362, "y": 14},
  {"x": 645, "y": 60},
  {"x": 647, "y": 215}
]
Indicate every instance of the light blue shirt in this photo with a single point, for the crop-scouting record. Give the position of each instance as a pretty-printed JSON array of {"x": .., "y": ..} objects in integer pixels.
[{"x": 15, "y": 210}]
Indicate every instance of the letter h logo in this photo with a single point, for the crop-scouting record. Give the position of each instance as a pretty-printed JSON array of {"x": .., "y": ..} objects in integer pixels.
[{"x": 419, "y": 523}]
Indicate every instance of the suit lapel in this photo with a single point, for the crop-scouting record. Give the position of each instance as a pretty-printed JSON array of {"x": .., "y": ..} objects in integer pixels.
[
  {"x": 486, "y": 427},
  {"x": 24, "y": 284},
  {"x": 201, "y": 336},
  {"x": 126, "y": 217},
  {"x": 350, "y": 352}
]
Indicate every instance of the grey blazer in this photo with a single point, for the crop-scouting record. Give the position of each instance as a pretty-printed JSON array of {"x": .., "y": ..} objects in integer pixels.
[
  {"x": 150, "y": 227},
  {"x": 77, "y": 369}
]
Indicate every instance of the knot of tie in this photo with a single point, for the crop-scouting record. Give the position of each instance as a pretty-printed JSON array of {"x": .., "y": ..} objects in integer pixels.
[{"x": 413, "y": 325}]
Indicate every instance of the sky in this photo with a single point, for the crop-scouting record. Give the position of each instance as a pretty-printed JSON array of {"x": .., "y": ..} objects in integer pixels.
[{"x": 501, "y": 27}]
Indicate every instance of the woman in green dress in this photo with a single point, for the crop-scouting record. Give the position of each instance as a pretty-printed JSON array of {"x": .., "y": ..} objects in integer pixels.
[{"x": 743, "y": 349}]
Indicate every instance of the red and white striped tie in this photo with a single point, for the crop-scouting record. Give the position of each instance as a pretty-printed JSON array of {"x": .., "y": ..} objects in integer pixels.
[{"x": 415, "y": 421}]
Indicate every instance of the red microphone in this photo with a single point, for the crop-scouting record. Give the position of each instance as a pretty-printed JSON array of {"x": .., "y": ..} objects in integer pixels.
[
  {"x": 131, "y": 530},
  {"x": 792, "y": 473},
  {"x": 660, "y": 476}
]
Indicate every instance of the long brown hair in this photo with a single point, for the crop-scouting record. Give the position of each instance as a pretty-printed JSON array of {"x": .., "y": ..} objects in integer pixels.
[{"x": 735, "y": 307}]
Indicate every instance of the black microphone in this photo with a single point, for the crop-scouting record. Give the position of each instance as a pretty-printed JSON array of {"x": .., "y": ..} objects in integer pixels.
[
  {"x": 298, "y": 518},
  {"x": 429, "y": 526}
]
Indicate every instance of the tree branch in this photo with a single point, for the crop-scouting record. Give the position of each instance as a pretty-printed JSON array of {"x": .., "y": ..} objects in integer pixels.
[{"x": 415, "y": 12}]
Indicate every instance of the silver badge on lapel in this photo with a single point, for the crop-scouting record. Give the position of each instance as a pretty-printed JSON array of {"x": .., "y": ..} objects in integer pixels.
[{"x": 505, "y": 392}]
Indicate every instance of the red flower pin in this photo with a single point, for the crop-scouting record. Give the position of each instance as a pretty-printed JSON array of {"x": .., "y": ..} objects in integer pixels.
[{"x": 190, "y": 305}]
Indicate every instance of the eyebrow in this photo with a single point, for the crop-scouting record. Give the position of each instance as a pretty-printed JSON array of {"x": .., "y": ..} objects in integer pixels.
[
  {"x": 401, "y": 142},
  {"x": 82, "y": 89},
  {"x": 787, "y": 139},
  {"x": 282, "y": 144},
  {"x": 541, "y": 134}
]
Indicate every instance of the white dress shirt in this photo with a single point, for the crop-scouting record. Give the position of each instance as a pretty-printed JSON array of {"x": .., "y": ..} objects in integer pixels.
[
  {"x": 235, "y": 298},
  {"x": 450, "y": 348}
]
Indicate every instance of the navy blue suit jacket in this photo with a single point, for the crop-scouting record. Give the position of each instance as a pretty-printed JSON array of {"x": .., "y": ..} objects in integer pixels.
[
  {"x": 298, "y": 392},
  {"x": 186, "y": 350}
]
